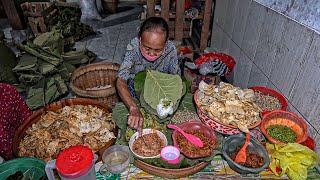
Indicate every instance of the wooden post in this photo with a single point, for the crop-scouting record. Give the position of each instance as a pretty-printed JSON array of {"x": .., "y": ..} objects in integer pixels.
[
  {"x": 165, "y": 10},
  {"x": 150, "y": 8},
  {"x": 14, "y": 15},
  {"x": 178, "y": 29},
  {"x": 205, "y": 25}
]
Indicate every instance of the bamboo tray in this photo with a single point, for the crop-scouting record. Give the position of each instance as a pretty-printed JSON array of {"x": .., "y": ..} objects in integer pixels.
[
  {"x": 35, "y": 117},
  {"x": 169, "y": 173}
]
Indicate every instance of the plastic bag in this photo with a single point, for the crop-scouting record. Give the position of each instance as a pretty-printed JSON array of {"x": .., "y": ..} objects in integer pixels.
[
  {"x": 217, "y": 63},
  {"x": 89, "y": 10},
  {"x": 293, "y": 159}
]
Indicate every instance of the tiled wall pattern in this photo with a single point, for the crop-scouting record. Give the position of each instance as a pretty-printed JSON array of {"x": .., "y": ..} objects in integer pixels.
[{"x": 274, "y": 51}]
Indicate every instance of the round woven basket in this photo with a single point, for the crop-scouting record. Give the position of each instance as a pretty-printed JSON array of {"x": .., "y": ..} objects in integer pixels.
[
  {"x": 96, "y": 81},
  {"x": 36, "y": 116},
  {"x": 170, "y": 173}
]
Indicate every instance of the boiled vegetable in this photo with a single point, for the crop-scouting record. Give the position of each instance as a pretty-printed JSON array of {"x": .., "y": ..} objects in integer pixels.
[
  {"x": 293, "y": 159},
  {"x": 282, "y": 133}
]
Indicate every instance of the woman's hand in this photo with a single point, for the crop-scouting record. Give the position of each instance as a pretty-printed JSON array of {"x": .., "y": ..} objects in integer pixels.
[{"x": 135, "y": 119}]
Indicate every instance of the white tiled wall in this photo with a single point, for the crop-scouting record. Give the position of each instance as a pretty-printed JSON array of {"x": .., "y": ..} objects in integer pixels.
[{"x": 274, "y": 51}]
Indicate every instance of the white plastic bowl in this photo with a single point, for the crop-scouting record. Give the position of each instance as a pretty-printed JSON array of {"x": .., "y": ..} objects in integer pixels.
[{"x": 147, "y": 131}]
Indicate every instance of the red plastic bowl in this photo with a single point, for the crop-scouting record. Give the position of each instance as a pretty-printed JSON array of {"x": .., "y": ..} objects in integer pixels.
[
  {"x": 192, "y": 126},
  {"x": 267, "y": 91},
  {"x": 289, "y": 119}
]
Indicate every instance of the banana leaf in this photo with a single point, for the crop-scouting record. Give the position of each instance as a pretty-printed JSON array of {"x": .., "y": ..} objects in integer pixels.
[
  {"x": 187, "y": 103},
  {"x": 7, "y": 62},
  {"x": 63, "y": 71},
  {"x": 28, "y": 64},
  {"x": 61, "y": 86},
  {"x": 70, "y": 67},
  {"x": 41, "y": 53},
  {"x": 35, "y": 95},
  {"x": 52, "y": 40},
  {"x": 30, "y": 79},
  {"x": 46, "y": 68},
  {"x": 50, "y": 90},
  {"x": 139, "y": 80}
]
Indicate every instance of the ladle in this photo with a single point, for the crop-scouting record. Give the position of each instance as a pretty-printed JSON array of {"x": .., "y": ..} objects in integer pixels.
[
  {"x": 191, "y": 138},
  {"x": 241, "y": 157}
]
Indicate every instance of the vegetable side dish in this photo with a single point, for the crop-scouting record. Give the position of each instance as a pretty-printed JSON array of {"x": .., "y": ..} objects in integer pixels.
[
  {"x": 193, "y": 150},
  {"x": 151, "y": 146},
  {"x": 252, "y": 161},
  {"x": 282, "y": 133}
]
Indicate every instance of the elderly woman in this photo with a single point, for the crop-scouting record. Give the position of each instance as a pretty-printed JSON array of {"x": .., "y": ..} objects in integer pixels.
[
  {"x": 13, "y": 112},
  {"x": 151, "y": 49}
]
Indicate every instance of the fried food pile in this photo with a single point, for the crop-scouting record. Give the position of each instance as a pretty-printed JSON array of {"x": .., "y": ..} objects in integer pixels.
[
  {"x": 70, "y": 126},
  {"x": 229, "y": 104}
]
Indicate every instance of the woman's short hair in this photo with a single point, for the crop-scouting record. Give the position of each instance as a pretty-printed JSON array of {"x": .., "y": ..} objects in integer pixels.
[{"x": 154, "y": 23}]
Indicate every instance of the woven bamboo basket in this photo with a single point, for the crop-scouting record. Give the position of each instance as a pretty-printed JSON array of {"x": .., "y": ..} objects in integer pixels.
[
  {"x": 169, "y": 173},
  {"x": 96, "y": 81},
  {"x": 36, "y": 116}
]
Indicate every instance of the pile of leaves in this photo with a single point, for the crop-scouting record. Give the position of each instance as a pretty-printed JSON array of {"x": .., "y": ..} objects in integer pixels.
[
  {"x": 44, "y": 69},
  {"x": 68, "y": 23}
]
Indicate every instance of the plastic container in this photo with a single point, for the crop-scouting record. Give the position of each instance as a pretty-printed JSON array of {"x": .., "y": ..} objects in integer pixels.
[
  {"x": 147, "y": 131},
  {"x": 76, "y": 162},
  {"x": 194, "y": 126},
  {"x": 289, "y": 119},
  {"x": 230, "y": 146},
  {"x": 170, "y": 154},
  {"x": 115, "y": 160},
  {"x": 22, "y": 164}
]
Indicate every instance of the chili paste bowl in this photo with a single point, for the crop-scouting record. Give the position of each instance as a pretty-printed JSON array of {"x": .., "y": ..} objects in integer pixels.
[
  {"x": 135, "y": 136},
  {"x": 230, "y": 146}
]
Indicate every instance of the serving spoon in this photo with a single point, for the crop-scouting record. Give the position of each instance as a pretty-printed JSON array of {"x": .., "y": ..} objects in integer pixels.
[
  {"x": 191, "y": 138},
  {"x": 241, "y": 157}
]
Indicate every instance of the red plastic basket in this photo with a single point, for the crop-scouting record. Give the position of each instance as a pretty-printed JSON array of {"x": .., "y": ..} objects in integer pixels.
[
  {"x": 289, "y": 119},
  {"x": 267, "y": 91}
]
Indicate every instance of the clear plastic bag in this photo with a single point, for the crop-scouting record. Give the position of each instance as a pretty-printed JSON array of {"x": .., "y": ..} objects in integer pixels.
[{"x": 89, "y": 10}]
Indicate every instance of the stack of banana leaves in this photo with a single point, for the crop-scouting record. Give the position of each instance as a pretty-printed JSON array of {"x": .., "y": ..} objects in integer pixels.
[
  {"x": 44, "y": 69},
  {"x": 68, "y": 23}
]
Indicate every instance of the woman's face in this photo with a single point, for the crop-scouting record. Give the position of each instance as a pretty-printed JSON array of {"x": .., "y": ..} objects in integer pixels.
[{"x": 153, "y": 43}]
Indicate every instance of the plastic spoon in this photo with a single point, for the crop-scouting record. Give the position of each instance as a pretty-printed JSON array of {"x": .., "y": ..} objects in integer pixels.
[
  {"x": 191, "y": 138},
  {"x": 242, "y": 155}
]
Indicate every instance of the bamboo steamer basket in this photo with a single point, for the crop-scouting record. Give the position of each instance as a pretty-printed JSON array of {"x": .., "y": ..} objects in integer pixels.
[
  {"x": 96, "y": 75},
  {"x": 169, "y": 173},
  {"x": 35, "y": 117}
]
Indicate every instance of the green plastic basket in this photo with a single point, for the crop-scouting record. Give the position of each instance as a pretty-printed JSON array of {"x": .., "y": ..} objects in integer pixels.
[{"x": 22, "y": 164}]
